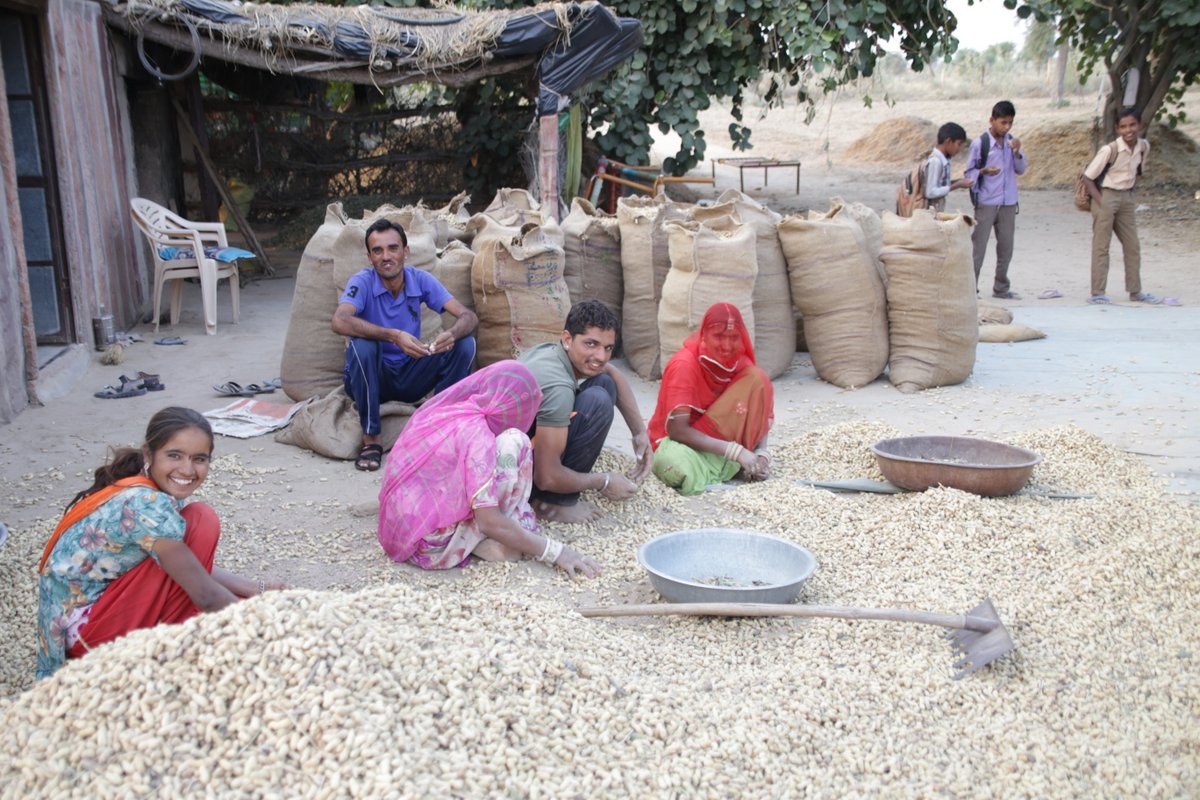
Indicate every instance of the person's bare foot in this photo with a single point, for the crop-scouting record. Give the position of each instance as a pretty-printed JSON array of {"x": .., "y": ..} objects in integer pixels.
[
  {"x": 571, "y": 515},
  {"x": 491, "y": 550}
]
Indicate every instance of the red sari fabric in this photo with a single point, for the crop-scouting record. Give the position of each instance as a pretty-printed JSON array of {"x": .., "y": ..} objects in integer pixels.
[
  {"x": 700, "y": 373},
  {"x": 146, "y": 595}
]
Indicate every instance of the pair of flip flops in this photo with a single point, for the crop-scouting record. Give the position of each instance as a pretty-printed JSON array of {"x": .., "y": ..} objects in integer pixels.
[
  {"x": 233, "y": 389},
  {"x": 136, "y": 386}
]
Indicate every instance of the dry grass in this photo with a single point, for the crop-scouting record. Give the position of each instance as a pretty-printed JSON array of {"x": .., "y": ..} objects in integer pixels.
[{"x": 898, "y": 140}]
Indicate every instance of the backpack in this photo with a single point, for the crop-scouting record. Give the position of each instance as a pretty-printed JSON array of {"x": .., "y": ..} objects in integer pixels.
[
  {"x": 1083, "y": 198},
  {"x": 985, "y": 146},
  {"x": 910, "y": 194}
]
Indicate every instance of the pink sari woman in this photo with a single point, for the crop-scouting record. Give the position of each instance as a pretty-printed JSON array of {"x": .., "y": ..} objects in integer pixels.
[{"x": 458, "y": 479}]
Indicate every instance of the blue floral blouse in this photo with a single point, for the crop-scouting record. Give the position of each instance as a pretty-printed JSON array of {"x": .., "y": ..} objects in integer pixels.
[{"x": 92, "y": 553}]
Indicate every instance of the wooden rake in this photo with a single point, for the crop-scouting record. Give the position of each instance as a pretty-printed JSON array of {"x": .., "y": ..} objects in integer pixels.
[{"x": 977, "y": 638}]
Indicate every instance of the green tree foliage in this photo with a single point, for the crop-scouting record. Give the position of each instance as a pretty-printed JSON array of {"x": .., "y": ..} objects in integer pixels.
[
  {"x": 1039, "y": 44},
  {"x": 1155, "y": 37},
  {"x": 696, "y": 51}
]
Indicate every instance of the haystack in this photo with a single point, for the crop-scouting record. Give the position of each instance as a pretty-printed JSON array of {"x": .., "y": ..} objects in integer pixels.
[
  {"x": 895, "y": 141},
  {"x": 1059, "y": 152}
]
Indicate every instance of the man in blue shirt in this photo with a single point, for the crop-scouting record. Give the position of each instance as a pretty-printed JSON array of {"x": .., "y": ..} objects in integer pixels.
[
  {"x": 995, "y": 195},
  {"x": 380, "y": 313}
]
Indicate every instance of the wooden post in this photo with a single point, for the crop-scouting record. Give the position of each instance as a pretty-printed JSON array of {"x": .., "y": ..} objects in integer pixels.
[
  {"x": 209, "y": 204},
  {"x": 548, "y": 164}
]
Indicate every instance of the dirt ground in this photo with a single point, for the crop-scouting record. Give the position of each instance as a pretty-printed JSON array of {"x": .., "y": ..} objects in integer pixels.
[{"x": 310, "y": 520}]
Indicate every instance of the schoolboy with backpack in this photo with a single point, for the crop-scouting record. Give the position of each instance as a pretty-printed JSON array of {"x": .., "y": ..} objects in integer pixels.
[
  {"x": 993, "y": 164},
  {"x": 929, "y": 182},
  {"x": 1110, "y": 181}
]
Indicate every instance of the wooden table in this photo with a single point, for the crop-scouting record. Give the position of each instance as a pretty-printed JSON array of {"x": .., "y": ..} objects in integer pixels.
[{"x": 744, "y": 163}]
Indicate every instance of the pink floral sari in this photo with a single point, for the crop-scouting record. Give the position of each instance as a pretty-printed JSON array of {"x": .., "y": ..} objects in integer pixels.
[{"x": 444, "y": 466}]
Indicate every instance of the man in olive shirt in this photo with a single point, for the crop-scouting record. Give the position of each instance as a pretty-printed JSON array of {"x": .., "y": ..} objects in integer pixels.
[{"x": 580, "y": 391}]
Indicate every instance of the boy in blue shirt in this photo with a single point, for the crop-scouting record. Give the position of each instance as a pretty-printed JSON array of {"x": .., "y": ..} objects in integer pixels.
[{"x": 993, "y": 164}]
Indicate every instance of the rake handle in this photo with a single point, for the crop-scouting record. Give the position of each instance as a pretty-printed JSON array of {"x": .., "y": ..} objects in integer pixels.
[{"x": 956, "y": 621}]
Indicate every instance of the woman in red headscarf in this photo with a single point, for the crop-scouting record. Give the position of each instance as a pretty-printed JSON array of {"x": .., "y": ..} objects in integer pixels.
[{"x": 714, "y": 408}]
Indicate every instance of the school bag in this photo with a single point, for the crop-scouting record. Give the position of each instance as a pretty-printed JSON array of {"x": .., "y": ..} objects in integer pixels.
[
  {"x": 910, "y": 194},
  {"x": 985, "y": 146},
  {"x": 1083, "y": 198}
]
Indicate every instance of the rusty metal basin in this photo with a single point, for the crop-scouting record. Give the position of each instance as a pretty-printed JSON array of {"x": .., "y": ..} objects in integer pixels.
[{"x": 978, "y": 466}]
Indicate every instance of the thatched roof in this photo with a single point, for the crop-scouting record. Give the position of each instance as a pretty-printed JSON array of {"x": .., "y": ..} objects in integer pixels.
[{"x": 362, "y": 44}]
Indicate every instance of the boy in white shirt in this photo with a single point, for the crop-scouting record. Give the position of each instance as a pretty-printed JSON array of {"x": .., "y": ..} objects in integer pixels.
[{"x": 951, "y": 138}]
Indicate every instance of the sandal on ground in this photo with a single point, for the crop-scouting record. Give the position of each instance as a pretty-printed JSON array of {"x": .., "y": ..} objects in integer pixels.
[
  {"x": 1099, "y": 300},
  {"x": 369, "y": 458},
  {"x": 171, "y": 340},
  {"x": 1006, "y": 295},
  {"x": 151, "y": 383},
  {"x": 1145, "y": 297},
  {"x": 231, "y": 389},
  {"x": 127, "y": 388},
  {"x": 1049, "y": 294}
]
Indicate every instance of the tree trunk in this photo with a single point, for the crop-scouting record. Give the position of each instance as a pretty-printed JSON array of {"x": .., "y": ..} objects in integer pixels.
[{"x": 1060, "y": 78}]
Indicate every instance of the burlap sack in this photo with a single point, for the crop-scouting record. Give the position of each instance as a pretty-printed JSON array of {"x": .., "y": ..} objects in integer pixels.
[
  {"x": 520, "y": 295},
  {"x": 450, "y": 221},
  {"x": 1000, "y": 333},
  {"x": 510, "y": 203},
  {"x": 932, "y": 308},
  {"x": 992, "y": 314},
  {"x": 639, "y": 306},
  {"x": 869, "y": 222},
  {"x": 711, "y": 262},
  {"x": 313, "y": 355},
  {"x": 330, "y": 426},
  {"x": 774, "y": 321},
  {"x": 592, "y": 244},
  {"x": 453, "y": 271},
  {"x": 837, "y": 290}
]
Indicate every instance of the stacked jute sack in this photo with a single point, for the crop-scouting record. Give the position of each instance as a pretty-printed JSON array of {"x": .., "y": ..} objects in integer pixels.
[
  {"x": 896, "y": 293},
  {"x": 863, "y": 294},
  {"x": 678, "y": 259},
  {"x": 517, "y": 279}
]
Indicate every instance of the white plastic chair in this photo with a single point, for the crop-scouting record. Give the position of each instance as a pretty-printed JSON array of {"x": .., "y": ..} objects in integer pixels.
[{"x": 166, "y": 229}]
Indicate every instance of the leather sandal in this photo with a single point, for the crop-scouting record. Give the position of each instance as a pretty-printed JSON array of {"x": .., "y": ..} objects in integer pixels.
[
  {"x": 126, "y": 388},
  {"x": 369, "y": 458}
]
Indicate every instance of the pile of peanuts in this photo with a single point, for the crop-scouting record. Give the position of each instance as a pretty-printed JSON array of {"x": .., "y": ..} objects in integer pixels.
[{"x": 486, "y": 682}]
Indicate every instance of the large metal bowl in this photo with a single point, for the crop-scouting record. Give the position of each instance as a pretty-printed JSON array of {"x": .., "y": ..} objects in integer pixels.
[
  {"x": 978, "y": 466},
  {"x": 726, "y": 565}
]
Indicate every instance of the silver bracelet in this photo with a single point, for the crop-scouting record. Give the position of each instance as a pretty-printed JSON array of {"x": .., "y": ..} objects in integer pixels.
[
  {"x": 262, "y": 585},
  {"x": 551, "y": 552},
  {"x": 607, "y": 478}
]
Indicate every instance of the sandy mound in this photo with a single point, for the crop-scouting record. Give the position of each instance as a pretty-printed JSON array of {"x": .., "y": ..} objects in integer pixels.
[
  {"x": 1059, "y": 152},
  {"x": 895, "y": 141}
]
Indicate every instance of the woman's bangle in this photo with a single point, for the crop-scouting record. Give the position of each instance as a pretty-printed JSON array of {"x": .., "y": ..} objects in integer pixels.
[
  {"x": 607, "y": 478},
  {"x": 551, "y": 552},
  {"x": 262, "y": 585},
  {"x": 732, "y": 451}
]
